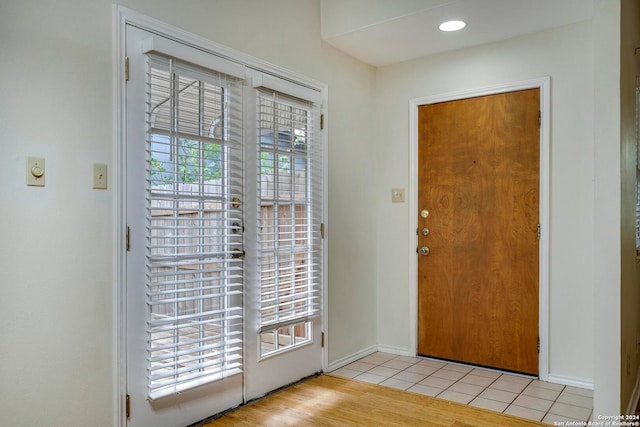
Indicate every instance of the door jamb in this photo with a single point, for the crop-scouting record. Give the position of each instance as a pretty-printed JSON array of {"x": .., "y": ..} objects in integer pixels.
[{"x": 544, "y": 84}]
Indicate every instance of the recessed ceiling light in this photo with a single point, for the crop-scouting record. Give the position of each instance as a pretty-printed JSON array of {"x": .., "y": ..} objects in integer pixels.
[{"x": 452, "y": 25}]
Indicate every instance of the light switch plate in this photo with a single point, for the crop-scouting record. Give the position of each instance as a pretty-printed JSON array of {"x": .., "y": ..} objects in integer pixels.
[
  {"x": 35, "y": 171},
  {"x": 397, "y": 195},
  {"x": 100, "y": 176}
]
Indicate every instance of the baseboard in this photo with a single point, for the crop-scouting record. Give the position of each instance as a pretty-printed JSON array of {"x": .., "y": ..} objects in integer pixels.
[
  {"x": 400, "y": 351},
  {"x": 635, "y": 396},
  {"x": 351, "y": 358},
  {"x": 573, "y": 382}
]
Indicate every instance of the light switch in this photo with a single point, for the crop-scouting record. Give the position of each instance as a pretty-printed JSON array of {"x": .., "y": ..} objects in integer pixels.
[
  {"x": 35, "y": 171},
  {"x": 100, "y": 176},
  {"x": 397, "y": 195}
]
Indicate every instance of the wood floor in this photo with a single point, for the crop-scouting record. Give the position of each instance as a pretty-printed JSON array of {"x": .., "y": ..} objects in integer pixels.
[{"x": 327, "y": 400}]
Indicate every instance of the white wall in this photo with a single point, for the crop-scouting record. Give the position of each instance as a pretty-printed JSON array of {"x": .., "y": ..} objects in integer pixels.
[
  {"x": 607, "y": 278},
  {"x": 565, "y": 54},
  {"x": 57, "y": 248}
]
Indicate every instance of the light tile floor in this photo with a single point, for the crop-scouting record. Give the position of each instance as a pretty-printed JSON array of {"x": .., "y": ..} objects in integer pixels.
[{"x": 502, "y": 392}]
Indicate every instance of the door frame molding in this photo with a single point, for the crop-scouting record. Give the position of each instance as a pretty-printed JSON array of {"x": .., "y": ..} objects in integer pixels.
[
  {"x": 544, "y": 84},
  {"x": 121, "y": 16}
]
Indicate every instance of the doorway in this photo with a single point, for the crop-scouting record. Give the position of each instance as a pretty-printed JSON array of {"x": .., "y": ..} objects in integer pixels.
[
  {"x": 463, "y": 289},
  {"x": 222, "y": 202}
]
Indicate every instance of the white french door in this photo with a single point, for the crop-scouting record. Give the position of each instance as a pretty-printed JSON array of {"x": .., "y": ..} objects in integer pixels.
[
  {"x": 184, "y": 265},
  {"x": 224, "y": 212},
  {"x": 284, "y": 329}
]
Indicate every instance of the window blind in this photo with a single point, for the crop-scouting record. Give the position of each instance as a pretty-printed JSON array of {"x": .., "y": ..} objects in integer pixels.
[
  {"x": 194, "y": 226},
  {"x": 290, "y": 192}
]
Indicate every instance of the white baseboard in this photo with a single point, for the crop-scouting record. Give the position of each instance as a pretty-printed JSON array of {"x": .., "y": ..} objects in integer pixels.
[
  {"x": 351, "y": 358},
  {"x": 573, "y": 382},
  {"x": 400, "y": 351},
  {"x": 635, "y": 396}
]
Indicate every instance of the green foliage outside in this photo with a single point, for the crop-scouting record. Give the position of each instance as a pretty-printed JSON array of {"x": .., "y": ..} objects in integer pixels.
[{"x": 189, "y": 167}]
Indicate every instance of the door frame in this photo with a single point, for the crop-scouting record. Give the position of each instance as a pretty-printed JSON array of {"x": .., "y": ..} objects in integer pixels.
[
  {"x": 544, "y": 84},
  {"x": 121, "y": 16}
]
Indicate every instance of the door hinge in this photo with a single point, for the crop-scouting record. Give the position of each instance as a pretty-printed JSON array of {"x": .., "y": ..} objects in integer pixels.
[
  {"x": 322, "y": 339},
  {"x": 322, "y": 230},
  {"x": 539, "y": 231},
  {"x": 539, "y": 118},
  {"x": 127, "y": 239},
  {"x": 126, "y": 69},
  {"x": 128, "y": 406},
  {"x": 321, "y": 121},
  {"x": 538, "y": 345}
]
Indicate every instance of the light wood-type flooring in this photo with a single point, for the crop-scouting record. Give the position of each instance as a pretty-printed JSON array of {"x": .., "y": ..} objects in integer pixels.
[{"x": 329, "y": 400}]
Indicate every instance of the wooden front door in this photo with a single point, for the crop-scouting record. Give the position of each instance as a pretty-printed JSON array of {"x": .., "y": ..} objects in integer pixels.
[{"x": 478, "y": 216}]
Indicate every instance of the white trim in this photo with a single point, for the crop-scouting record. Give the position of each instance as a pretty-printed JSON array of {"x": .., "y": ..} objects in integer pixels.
[
  {"x": 635, "y": 397},
  {"x": 573, "y": 382},
  {"x": 337, "y": 364},
  {"x": 119, "y": 215},
  {"x": 325, "y": 215},
  {"x": 122, "y": 16},
  {"x": 544, "y": 84},
  {"x": 396, "y": 350}
]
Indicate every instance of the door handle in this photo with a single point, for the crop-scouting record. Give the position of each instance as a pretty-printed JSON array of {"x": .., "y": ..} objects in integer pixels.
[{"x": 424, "y": 251}]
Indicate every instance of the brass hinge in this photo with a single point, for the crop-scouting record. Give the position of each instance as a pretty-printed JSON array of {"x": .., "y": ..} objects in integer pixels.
[
  {"x": 126, "y": 69},
  {"x": 128, "y": 239},
  {"x": 539, "y": 231},
  {"x": 539, "y": 118},
  {"x": 538, "y": 345},
  {"x": 322, "y": 230},
  {"x": 322, "y": 339},
  {"x": 128, "y": 406},
  {"x": 321, "y": 121}
]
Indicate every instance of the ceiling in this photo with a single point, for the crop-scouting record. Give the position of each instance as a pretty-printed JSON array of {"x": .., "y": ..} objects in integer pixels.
[{"x": 383, "y": 32}]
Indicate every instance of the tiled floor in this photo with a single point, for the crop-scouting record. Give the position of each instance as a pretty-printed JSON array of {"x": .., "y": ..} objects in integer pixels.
[{"x": 511, "y": 394}]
